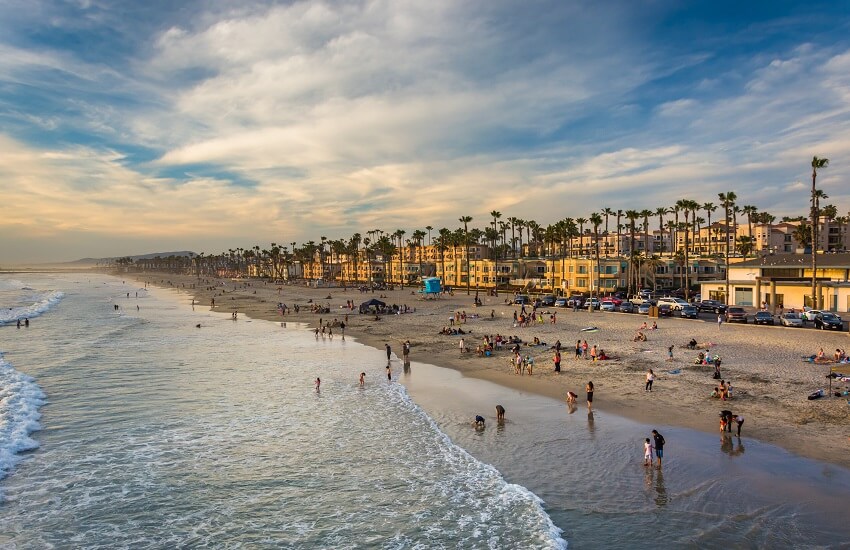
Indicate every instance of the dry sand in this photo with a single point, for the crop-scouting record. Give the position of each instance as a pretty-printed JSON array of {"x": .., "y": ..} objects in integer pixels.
[{"x": 770, "y": 382}]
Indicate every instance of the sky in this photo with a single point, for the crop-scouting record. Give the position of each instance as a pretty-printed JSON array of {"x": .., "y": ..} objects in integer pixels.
[{"x": 132, "y": 127}]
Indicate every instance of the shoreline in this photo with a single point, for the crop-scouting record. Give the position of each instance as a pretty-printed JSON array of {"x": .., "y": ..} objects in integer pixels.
[{"x": 771, "y": 383}]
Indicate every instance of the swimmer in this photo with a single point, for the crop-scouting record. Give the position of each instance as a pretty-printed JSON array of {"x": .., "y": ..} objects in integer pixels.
[{"x": 500, "y": 412}]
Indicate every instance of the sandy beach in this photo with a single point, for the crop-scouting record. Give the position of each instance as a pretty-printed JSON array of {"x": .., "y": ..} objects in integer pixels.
[{"x": 770, "y": 381}]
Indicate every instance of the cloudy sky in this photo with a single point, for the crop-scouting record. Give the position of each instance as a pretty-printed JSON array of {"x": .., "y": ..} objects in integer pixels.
[{"x": 129, "y": 127}]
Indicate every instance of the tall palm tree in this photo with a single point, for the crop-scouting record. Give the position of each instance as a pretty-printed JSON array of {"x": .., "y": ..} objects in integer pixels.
[
  {"x": 727, "y": 200},
  {"x": 709, "y": 208},
  {"x": 606, "y": 212},
  {"x": 661, "y": 211},
  {"x": 817, "y": 163},
  {"x": 465, "y": 220},
  {"x": 429, "y": 229},
  {"x": 619, "y": 215},
  {"x": 520, "y": 225},
  {"x": 632, "y": 216},
  {"x": 443, "y": 241},
  {"x": 645, "y": 214},
  {"x": 750, "y": 211},
  {"x": 596, "y": 220},
  {"x": 496, "y": 215},
  {"x": 581, "y": 222}
]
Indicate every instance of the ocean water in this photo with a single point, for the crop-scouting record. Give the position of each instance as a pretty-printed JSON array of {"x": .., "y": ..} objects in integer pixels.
[
  {"x": 132, "y": 428},
  {"x": 135, "y": 429}
]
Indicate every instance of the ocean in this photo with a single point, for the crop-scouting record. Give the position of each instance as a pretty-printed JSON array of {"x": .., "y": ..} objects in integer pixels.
[{"x": 131, "y": 427}]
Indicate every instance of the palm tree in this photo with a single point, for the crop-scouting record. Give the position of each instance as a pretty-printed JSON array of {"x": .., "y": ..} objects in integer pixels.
[
  {"x": 632, "y": 216},
  {"x": 645, "y": 214},
  {"x": 596, "y": 220},
  {"x": 750, "y": 211},
  {"x": 803, "y": 234},
  {"x": 619, "y": 215},
  {"x": 581, "y": 222},
  {"x": 496, "y": 215},
  {"x": 429, "y": 228},
  {"x": 606, "y": 212},
  {"x": 443, "y": 241},
  {"x": 520, "y": 225},
  {"x": 829, "y": 213},
  {"x": 727, "y": 200},
  {"x": 709, "y": 208},
  {"x": 816, "y": 163},
  {"x": 661, "y": 211},
  {"x": 465, "y": 220}
]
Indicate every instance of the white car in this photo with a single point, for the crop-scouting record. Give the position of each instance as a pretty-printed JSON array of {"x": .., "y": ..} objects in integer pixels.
[
  {"x": 791, "y": 320},
  {"x": 674, "y": 303},
  {"x": 607, "y": 305},
  {"x": 809, "y": 315}
]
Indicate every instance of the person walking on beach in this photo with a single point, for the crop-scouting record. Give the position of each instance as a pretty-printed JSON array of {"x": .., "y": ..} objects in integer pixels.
[
  {"x": 362, "y": 379},
  {"x": 557, "y": 361},
  {"x": 584, "y": 348},
  {"x": 389, "y": 354},
  {"x": 462, "y": 346},
  {"x": 405, "y": 351},
  {"x": 739, "y": 420},
  {"x": 659, "y": 446},
  {"x": 650, "y": 378},
  {"x": 719, "y": 319},
  {"x": 670, "y": 353},
  {"x": 578, "y": 349},
  {"x": 589, "y": 390},
  {"x": 318, "y": 384}
]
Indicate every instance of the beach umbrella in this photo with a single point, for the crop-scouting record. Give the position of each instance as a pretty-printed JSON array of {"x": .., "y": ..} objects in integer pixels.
[{"x": 372, "y": 303}]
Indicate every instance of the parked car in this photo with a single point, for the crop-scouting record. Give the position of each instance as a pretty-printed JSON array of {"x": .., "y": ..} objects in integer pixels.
[
  {"x": 607, "y": 305},
  {"x": 689, "y": 312},
  {"x": 617, "y": 301},
  {"x": 643, "y": 308},
  {"x": 736, "y": 315},
  {"x": 592, "y": 303},
  {"x": 548, "y": 300},
  {"x": 810, "y": 314},
  {"x": 674, "y": 303},
  {"x": 561, "y": 302},
  {"x": 665, "y": 310},
  {"x": 763, "y": 318},
  {"x": 522, "y": 299},
  {"x": 826, "y": 320},
  {"x": 712, "y": 305},
  {"x": 791, "y": 320},
  {"x": 627, "y": 307}
]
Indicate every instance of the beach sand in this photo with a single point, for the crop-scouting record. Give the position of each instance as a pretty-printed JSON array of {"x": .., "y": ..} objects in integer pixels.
[{"x": 770, "y": 381}]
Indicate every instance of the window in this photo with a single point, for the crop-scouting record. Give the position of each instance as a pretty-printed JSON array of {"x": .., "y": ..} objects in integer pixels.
[
  {"x": 541, "y": 269},
  {"x": 582, "y": 269}
]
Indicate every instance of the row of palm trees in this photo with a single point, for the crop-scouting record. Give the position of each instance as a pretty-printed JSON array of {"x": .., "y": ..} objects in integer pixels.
[{"x": 680, "y": 222}]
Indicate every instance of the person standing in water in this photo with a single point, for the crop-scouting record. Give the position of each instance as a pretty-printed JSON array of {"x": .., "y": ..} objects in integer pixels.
[
  {"x": 362, "y": 379},
  {"x": 589, "y": 389},
  {"x": 389, "y": 354},
  {"x": 659, "y": 446},
  {"x": 389, "y": 374}
]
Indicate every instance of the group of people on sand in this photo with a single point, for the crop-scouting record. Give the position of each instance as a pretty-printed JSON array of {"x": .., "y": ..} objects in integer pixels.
[
  {"x": 722, "y": 391},
  {"x": 26, "y": 322},
  {"x": 594, "y": 352},
  {"x": 839, "y": 356}
]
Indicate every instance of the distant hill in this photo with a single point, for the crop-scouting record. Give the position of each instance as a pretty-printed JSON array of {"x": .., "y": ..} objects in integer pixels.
[{"x": 94, "y": 261}]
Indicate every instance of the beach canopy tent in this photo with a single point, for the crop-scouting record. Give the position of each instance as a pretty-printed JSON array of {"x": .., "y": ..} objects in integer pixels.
[
  {"x": 432, "y": 285},
  {"x": 377, "y": 304}
]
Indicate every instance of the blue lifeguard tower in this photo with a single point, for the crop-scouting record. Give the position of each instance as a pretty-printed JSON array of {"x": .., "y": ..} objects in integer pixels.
[{"x": 431, "y": 287}]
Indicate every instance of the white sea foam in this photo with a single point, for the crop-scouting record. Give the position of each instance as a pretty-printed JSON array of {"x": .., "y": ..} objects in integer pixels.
[
  {"x": 42, "y": 301},
  {"x": 20, "y": 399}
]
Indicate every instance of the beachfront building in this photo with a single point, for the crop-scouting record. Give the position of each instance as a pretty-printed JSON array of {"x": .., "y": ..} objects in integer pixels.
[{"x": 785, "y": 280}]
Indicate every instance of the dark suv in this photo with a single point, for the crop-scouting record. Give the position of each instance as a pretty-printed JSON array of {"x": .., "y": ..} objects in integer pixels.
[
  {"x": 829, "y": 321},
  {"x": 711, "y": 305},
  {"x": 736, "y": 315}
]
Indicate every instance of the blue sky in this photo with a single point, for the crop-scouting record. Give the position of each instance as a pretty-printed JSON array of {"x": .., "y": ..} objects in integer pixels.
[{"x": 128, "y": 127}]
